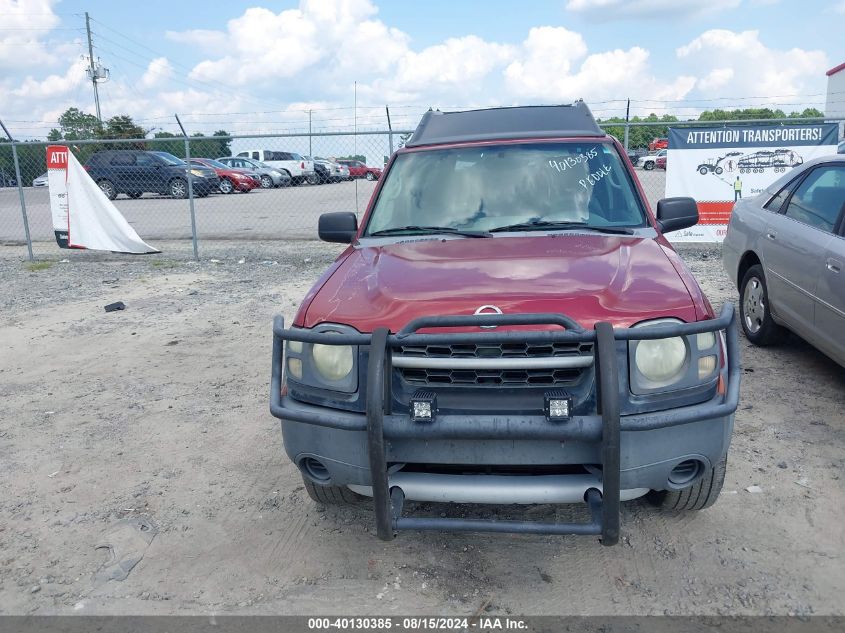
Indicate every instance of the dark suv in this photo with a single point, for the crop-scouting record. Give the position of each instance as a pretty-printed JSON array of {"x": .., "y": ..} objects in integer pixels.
[{"x": 135, "y": 172}]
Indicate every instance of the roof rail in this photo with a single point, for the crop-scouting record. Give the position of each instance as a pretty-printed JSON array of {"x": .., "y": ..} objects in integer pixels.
[{"x": 438, "y": 128}]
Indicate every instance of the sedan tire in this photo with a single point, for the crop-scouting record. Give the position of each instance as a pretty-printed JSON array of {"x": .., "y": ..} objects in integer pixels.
[
  {"x": 266, "y": 182},
  {"x": 107, "y": 187},
  {"x": 754, "y": 309},
  {"x": 648, "y": 165},
  {"x": 178, "y": 188}
]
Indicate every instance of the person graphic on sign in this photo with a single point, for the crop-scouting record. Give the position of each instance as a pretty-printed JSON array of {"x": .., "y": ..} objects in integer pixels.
[{"x": 737, "y": 189}]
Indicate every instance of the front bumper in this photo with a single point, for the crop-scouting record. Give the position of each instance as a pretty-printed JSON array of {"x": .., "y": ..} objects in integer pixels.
[{"x": 633, "y": 452}]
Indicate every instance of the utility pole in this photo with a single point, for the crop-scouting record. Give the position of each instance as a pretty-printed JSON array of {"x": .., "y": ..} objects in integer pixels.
[
  {"x": 91, "y": 70},
  {"x": 627, "y": 125}
]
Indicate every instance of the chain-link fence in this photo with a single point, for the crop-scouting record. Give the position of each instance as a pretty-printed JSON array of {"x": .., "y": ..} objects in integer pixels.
[{"x": 244, "y": 188}]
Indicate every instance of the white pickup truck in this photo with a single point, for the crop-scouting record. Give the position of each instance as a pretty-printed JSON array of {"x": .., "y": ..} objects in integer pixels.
[{"x": 299, "y": 169}]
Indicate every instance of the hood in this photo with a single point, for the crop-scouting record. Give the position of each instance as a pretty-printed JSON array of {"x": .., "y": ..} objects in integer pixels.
[{"x": 587, "y": 277}]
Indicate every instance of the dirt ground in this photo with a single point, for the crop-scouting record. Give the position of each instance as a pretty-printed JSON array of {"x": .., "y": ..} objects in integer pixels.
[{"x": 160, "y": 412}]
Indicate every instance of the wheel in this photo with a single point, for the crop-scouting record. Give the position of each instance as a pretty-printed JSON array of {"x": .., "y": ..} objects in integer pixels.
[
  {"x": 266, "y": 182},
  {"x": 178, "y": 188},
  {"x": 286, "y": 182},
  {"x": 135, "y": 194},
  {"x": 107, "y": 187},
  {"x": 330, "y": 495},
  {"x": 648, "y": 165},
  {"x": 313, "y": 179},
  {"x": 719, "y": 171},
  {"x": 754, "y": 312},
  {"x": 700, "y": 495},
  {"x": 370, "y": 176},
  {"x": 226, "y": 186},
  {"x": 702, "y": 171}
]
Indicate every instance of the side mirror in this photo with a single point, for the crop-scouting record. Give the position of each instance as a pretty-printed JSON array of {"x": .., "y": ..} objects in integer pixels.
[
  {"x": 674, "y": 214},
  {"x": 339, "y": 227}
]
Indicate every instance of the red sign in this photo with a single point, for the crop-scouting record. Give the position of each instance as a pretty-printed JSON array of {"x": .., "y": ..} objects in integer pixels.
[{"x": 57, "y": 157}]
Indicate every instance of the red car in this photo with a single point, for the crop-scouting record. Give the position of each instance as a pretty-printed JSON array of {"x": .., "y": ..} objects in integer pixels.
[
  {"x": 231, "y": 179},
  {"x": 508, "y": 325},
  {"x": 660, "y": 162},
  {"x": 658, "y": 144},
  {"x": 358, "y": 169}
]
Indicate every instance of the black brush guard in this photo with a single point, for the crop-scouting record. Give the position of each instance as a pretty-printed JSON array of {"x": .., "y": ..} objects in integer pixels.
[{"x": 380, "y": 423}]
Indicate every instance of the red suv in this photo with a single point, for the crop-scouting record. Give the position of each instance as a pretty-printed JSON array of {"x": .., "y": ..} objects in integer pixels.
[
  {"x": 658, "y": 144},
  {"x": 508, "y": 325},
  {"x": 358, "y": 169}
]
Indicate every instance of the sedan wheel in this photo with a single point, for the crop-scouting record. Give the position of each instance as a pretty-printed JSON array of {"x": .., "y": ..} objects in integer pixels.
[
  {"x": 266, "y": 182},
  {"x": 226, "y": 186},
  {"x": 648, "y": 165},
  {"x": 754, "y": 311},
  {"x": 370, "y": 176}
]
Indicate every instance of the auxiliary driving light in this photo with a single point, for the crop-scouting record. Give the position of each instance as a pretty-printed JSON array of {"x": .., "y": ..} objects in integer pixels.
[
  {"x": 557, "y": 405},
  {"x": 423, "y": 406}
]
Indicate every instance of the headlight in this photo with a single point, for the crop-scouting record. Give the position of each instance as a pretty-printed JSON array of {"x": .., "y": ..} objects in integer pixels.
[
  {"x": 197, "y": 172},
  {"x": 334, "y": 362},
  {"x": 673, "y": 363},
  {"x": 329, "y": 367},
  {"x": 661, "y": 360}
]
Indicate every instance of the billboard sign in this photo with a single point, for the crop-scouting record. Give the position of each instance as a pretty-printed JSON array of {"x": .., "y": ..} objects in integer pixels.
[
  {"x": 719, "y": 165},
  {"x": 83, "y": 217}
]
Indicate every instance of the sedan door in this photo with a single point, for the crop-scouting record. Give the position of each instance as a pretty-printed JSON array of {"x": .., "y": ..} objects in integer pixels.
[
  {"x": 830, "y": 307},
  {"x": 795, "y": 246}
]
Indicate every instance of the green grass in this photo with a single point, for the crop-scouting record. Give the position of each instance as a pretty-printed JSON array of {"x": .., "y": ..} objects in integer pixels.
[{"x": 34, "y": 267}]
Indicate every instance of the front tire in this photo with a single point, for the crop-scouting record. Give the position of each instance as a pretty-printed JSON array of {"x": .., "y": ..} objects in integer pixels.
[
  {"x": 226, "y": 186},
  {"x": 370, "y": 176},
  {"x": 700, "y": 495},
  {"x": 266, "y": 182},
  {"x": 178, "y": 188},
  {"x": 330, "y": 495},
  {"x": 755, "y": 312},
  {"x": 107, "y": 187},
  {"x": 648, "y": 165}
]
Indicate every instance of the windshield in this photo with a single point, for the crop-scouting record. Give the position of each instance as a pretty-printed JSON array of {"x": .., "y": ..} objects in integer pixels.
[
  {"x": 170, "y": 159},
  {"x": 482, "y": 188}
]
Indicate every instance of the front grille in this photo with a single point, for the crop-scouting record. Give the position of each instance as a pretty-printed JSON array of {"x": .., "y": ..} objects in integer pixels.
[{"x": 540, "y": 377}]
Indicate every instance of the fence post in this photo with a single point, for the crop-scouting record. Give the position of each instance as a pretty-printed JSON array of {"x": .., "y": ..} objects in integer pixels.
[
  {"x": 627, "y": 123},
  {"x": 390, "y": 129},
  {"x": 20, "y": 190},
  {"x": 190, "y": 187}
]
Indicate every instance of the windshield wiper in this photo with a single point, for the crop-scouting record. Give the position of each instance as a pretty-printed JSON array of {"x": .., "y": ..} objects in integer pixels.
[
  {"x": 539, "y": 225},
  {"x": 429, "y": 230}
]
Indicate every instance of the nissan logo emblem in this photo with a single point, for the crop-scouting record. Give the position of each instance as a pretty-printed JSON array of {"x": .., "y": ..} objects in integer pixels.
[{"x": 488, "y": 309}]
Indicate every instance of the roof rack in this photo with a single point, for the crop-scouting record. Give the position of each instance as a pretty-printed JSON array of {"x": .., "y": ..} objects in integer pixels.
[{"x": 438, "y": 128}]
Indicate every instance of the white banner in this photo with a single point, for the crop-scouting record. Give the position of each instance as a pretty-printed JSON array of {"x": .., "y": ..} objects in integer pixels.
[
  {"x": 718, "y": 166},
  {"x": 83, "y": 217}
]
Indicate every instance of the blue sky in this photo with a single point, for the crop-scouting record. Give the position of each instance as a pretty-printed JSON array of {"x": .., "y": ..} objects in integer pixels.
[{"x": 274, "y": 61}]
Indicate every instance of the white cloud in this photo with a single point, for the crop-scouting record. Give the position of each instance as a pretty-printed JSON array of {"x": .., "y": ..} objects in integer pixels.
[
  {"x": 624, "y": 9},
  {"x": 554, "y": 66},
  {"x": 839, "y": 7},
  {"x": 755, "y": 69},
  {"x": 158, "y": 72},
  {"x": 24, "y": 26},
  {"x": 53, "y": 86}
]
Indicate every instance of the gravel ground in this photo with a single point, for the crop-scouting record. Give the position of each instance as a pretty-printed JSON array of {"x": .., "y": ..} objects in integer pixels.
[{"x": 159, "y": 413}]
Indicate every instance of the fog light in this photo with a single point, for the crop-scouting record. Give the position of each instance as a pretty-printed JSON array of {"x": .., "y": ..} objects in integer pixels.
[
  {"x": 706, "y": 366},
  {"x": 423, "y": 406},
  {"x": 557, "y": 406},
  {"x": 295, "y": 368}
]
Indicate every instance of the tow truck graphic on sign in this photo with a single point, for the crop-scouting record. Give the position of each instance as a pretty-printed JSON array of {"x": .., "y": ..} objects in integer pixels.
[{"x": 778, "y": 160}]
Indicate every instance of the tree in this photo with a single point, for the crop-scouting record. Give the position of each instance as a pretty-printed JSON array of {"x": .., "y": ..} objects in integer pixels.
[
  {"x": 639, "y": 136},
  {"x": 122, "y": 126}
]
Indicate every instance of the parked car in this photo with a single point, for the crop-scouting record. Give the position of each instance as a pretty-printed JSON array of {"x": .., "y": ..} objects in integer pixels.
[
  {"x": 329, "y": 170},
  {"x": 649, "y": 161},
  {"x": 135, "y": 172},
  {"x": 660, "y": 162},
  {"x": 658, "y": 144},
  {"x": 270, "y": 176},
  {"x": 634, "y": 155},
  {"x": 506, "y": 306},
  {"x": 297, "y": 167},
  {"x": 41, "y": 181},
  {"x": 230, "y": 179},
  {"x": 358, "y": 169},
  {"x": 785, "y": 252}
]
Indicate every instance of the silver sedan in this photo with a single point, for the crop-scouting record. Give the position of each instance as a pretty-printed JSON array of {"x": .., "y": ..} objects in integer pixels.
[
  {"x": 785, "y": 252},
  {"x": 269, "y": 176}
]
